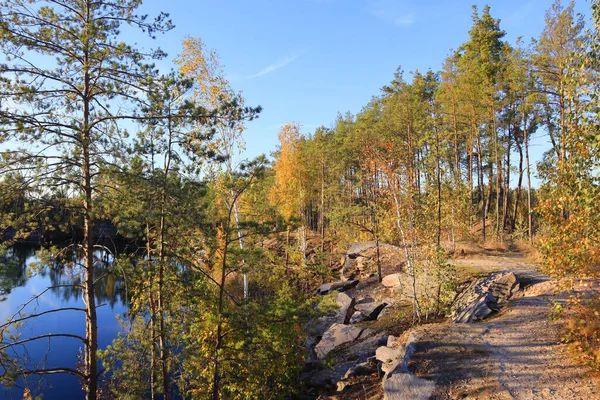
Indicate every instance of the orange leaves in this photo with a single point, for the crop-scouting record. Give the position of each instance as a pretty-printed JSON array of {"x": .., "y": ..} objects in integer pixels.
[
  {"x": 203, "y": 66},
  {"x": 213, "y": 92},
  {"x": 287, "y": 191}
]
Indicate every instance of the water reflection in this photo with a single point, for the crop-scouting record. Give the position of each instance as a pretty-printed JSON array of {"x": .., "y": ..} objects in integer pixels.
[
  {"x": 13, "y": 271},
  {"x": 20, "y": 281}
]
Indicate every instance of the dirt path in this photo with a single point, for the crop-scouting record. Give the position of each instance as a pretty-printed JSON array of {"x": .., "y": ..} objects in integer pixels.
[{"x": 514, "y": 355}]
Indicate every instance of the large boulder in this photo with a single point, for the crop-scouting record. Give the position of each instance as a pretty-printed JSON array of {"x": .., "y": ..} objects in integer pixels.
[
  {"x": 480, "y": 308},
  {"x": 481, "y": 297},
  {"x": 388, "y": 355},
  {"x": 360, "y": 259},
  {"x": 367, "y": 311},
  {"x": 392, "y": 280},
  {"x": 354, "y": 266},
  {"x": 504, "y": 286},
  {"x": 399, "y": 383},
  {"x": 335, "y": 336},
  {"x": 370, "y": 311},
  {"x": 406, "y": 386},
  {"x": 356, "y": 317},
  {"x": 346, "y": 306},
  {"x": 340, "y": 286}
]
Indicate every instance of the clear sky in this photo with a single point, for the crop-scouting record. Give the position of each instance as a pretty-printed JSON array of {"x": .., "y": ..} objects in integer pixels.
[{"x": 307, "y": 60}]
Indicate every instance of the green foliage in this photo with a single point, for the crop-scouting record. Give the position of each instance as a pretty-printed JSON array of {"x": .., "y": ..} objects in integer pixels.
[
  {"x": 424, "y": 164},
  {"x": 569, "y": 206},
  {"x": 127, "y": 362}
]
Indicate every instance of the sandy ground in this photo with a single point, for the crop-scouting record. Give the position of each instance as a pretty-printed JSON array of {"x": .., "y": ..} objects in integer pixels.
[{"x": 513, "y": 355}]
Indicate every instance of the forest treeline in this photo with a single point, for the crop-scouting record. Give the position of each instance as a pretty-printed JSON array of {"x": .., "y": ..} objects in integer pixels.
[{"x": 224, "y": 255}]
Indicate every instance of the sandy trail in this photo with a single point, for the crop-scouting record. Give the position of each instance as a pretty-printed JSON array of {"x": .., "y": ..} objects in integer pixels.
[{"x": 514, "y": 355}]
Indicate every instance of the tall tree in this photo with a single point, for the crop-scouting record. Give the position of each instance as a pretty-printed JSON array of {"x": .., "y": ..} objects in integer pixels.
[
  {"x": 482, "y": 61},
  {"x": 552, "y": 61},
  {"x": 67, "y": 81},
  {"x": 212, "y": 90},
  {"x": 290, "y": 189}
]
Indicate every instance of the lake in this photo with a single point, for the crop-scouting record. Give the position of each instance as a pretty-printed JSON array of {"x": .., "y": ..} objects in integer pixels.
[{"x": 18, "y": 286}]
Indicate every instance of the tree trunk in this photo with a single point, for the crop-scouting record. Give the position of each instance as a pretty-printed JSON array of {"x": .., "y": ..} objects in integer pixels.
[
  {"x": 242, "y": 242},
  {"x": 409, "y": 262},
  {"x": 498, "y": 171},
  {"x": 219, "y": 337},
  {"x": 526, "y": 144},
  {"x": 506, "y": 182},
  {"x": 439, "y": 188},
  {"x": 91, "y": 322},
  {"x": 152, "y": 315},
  {"x": 481, "y": 188},
  {"x": 519, "y": 183},
  {"x": 322, "y": 226}
]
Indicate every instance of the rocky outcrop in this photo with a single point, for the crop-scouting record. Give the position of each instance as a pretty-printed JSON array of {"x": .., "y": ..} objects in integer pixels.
[
  {"x": 359, "y": 260},
  {"x": 406, "y": 386},
  {"x": 399, "y": 383},
  {"x": 346, "y": 305},
  {"x": 392, "y": 280},
  {"x": 367, "y": 311},
  {"x": 483, "y": 295},
  {"x": 340, "y": 286},
  {"x": 345, "y": 309},
  {"x": 477, "y": 310},
  {"x": 322, "y": 378},
  {"x": 335, "y": 336},
  {"x": 370, "y": 311}
]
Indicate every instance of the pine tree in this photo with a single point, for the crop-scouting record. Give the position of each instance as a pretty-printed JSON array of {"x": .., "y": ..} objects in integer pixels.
[{"x": 67, "y": 82}]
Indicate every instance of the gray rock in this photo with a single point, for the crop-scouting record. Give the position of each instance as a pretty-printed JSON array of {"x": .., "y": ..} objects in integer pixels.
[
  {"x": 367, "y": 332},
  {"x": 325, "y": 378},
  {"x": 322, "y": 379},
  {"x": 336, "y": 335},
  {"x": 504, "y": 286},
  {"x": 317, "y": 327},
  {"x": 365, "y": 368},
  {"x": 354, "y": 266},
  {"x": 360, "y": 247},
  {"x": 309, "y": 345},
  {"x": 359, "y": 259},
  {"x": 370, "y": 311},
  {"x": 392, "y": 280},
  {"x": 384, "y": 312},
  {"x": 387, "y": 355},
  {"x": 473, "y": 303},
  {"x": 340, "y": 286},
  {"x": 356, "y": 317},
  {"x": 341, "y": 369},
  {"x": 346, "y": 305},
  {"x": 363, "y": 348},
  {"x": 404, "y": 386},
  {"x": 399, "y": 383},
  {"x": 480, "y": 308}
]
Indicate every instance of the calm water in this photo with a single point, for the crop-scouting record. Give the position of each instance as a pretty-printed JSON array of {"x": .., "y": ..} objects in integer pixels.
[{"x": 17, "y": 286}]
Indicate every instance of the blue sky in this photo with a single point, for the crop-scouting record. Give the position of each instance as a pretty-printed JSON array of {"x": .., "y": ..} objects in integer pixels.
[{"x": 307, "y": 60}]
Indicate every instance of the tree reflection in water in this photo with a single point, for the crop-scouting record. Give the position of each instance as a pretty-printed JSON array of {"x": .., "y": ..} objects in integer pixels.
[{"x": 25, "y": 272}]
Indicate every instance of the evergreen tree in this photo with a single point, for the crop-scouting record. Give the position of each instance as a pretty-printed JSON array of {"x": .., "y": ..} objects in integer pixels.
[{"x": 68, "y": 79}]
